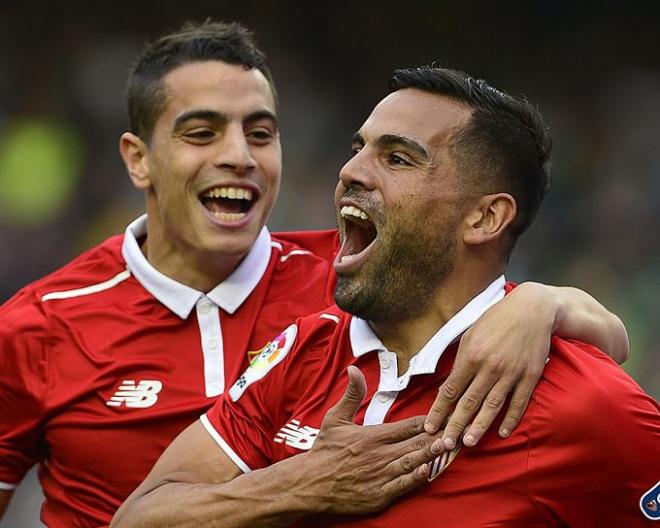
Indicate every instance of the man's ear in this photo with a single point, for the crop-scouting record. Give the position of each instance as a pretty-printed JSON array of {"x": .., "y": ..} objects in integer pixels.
[
  {"x": 489, "y": 218},
  {"x": 134, "y": 152}
]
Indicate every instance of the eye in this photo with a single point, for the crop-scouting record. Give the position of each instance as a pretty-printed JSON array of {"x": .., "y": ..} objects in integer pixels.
[
  {"x": 260, "y": 135},
  {"x": 396, "y": 159},
  {"x": 199, "y": 135}
]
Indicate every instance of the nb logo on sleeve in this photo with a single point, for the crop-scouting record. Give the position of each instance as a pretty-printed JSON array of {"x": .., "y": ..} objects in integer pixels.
[
  {"x": 140, "y": 396},
  {"x": 293, "y": 435}
]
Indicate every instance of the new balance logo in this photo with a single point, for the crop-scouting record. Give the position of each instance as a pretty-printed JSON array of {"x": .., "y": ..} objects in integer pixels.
[
  {"x": 142, "y": 395},
  {"x": 295, "y": 436}
]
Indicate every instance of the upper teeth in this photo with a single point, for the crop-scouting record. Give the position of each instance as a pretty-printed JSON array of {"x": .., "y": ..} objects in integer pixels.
[
  {"x": 349, "y": 210},
  {"x": 235, "y": 193}
]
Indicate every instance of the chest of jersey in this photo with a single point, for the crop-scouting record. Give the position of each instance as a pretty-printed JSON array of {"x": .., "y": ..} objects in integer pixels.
[
  {"x": 454, "y": 497},
  {"x": 126, "y": 380}
]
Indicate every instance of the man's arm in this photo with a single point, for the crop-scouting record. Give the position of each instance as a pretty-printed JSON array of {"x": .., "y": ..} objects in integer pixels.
[
  {"x": 506, "y": 350},
  {"x": 350, "y": 469},
  {"x": 5, "y": 497}
]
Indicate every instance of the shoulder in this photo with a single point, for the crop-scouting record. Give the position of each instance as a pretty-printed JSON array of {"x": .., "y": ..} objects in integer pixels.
[
  {"x": 301, "y": 276},
  {"x": 312, "y": 333},
  {"x": 579, "y": 376},
  {"x": 310, "y": 338},
  {"x": 289, "y": 358},
  {"x": 589, "y": 404},
  {"x": 322, "y": 243},
  {"x": 96, "y": 265},
  {"x": 320, "y": 328}
]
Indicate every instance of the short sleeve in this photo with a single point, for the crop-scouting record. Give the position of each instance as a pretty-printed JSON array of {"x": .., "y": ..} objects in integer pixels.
[
  {"x": 594, "y": 441},
  {"x": 244, "y": 419},
  {"x": 23, "y": 376}
]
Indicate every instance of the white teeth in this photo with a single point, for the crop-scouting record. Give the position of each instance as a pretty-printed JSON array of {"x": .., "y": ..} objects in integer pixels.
[
  {"x": 349, "y": 210},
  {"x": 228, "y": 217},
  {"x": 233, "y": 193}
]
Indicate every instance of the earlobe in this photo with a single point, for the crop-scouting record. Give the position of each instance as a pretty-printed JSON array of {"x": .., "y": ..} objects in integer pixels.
[
  {"x": 489, "y": 219},
  {"x": 134, "y": 152}
]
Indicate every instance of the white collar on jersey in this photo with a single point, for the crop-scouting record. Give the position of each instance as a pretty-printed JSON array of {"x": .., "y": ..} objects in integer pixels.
[
  {"x": 364, "y": 340},
  {"x": 181, "y": 299}
]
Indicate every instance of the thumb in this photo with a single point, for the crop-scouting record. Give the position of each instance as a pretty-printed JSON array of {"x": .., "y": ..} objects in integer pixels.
[{"x": 356, "y": 389}]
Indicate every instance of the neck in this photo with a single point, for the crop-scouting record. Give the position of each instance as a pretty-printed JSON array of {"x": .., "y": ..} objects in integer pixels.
[
  {"x": 406, "y": 337},
  {"x": 202, "y": 271}
]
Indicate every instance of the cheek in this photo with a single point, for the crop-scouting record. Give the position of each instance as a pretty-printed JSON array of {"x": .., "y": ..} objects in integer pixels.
[{"x": 270, "y": 162}]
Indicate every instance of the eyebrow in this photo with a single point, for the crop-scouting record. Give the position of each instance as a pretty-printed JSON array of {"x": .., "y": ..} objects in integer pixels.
[
  {"x": 394, "y": 140},
  {"x": 221, "y": 119}
]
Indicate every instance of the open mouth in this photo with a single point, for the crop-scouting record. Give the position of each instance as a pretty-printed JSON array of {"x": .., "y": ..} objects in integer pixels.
[
  {"x": 359, "y": 235},
  {"x": 229, "y": 204}
]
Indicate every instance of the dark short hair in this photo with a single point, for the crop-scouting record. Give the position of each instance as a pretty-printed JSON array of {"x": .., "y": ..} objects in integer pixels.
[
  {"x": 504, "y": 147},
  {"x": 230, "y": 43}
]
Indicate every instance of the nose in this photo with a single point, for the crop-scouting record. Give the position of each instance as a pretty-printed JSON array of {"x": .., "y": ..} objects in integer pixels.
[
  {"x": 234, "y": 152},
  {"x": 356, "y": 172}
]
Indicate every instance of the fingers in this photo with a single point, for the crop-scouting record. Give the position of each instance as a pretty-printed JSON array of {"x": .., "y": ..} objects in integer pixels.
[
  {"x": 448, "y": 393},
  {"x": 405, "y": 483},
  {"x": 412, "y": 469},
  {"x": 489, "y": 410},
  {"x": 518, "y": 402},
  {"x": 417, "y": 451},
  {"x": 417, "y": 443},
  {"x": 356, "y": 389},
  {"x": 398, "y": 431},
  {"x": 466, "y": 408}
]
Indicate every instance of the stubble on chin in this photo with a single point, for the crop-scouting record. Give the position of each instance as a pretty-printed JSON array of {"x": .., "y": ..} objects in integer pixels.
[{"x": 401, "y": 280}]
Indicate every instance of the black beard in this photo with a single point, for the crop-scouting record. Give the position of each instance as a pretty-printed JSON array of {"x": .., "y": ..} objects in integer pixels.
[{"x": 402, "y": 279}]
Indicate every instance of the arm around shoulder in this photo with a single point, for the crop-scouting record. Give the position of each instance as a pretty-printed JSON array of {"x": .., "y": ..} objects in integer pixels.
[{"x": 577, "y": 315}]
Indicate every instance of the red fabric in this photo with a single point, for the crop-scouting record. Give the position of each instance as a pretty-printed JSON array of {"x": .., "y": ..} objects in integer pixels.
[
  {"x": 584, "y": 453},
  {"x": 62, "y": 360}
]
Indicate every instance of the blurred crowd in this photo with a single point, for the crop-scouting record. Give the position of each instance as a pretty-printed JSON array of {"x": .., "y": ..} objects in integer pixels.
[{"x": 595, "y": 73}]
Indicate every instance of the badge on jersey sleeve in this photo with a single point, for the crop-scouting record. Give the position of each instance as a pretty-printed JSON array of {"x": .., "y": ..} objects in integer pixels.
[
  {"x": 265, "y": 359},
  {"x": 650, "y": 503}
]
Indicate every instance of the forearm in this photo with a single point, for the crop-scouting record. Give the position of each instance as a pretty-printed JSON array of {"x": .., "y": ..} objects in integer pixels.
[
  {"x": 271, "y": 497},
  {"x": 577, "y": 315}
]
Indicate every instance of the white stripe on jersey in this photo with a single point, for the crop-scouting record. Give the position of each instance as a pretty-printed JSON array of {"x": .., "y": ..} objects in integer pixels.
[
  {"x": 88, "y": 290},
  {"x": 329, "y": 316},
  {"x": 284, "y": 258}
]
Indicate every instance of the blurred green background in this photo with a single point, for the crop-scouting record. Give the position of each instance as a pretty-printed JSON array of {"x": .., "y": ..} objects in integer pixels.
[{"x": 593, "y": 68}]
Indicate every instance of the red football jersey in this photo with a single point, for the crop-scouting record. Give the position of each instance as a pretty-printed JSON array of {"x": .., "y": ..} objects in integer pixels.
[
  {"x": 106, "y": 360},
  {"x": 584, "y": 454}
]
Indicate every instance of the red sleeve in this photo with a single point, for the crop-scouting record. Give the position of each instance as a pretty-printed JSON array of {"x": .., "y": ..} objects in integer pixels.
[
  {"x": 594, "y": 440},
  {"x": 23, "y": 376},
  {"x": 245, "y": 418}
]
